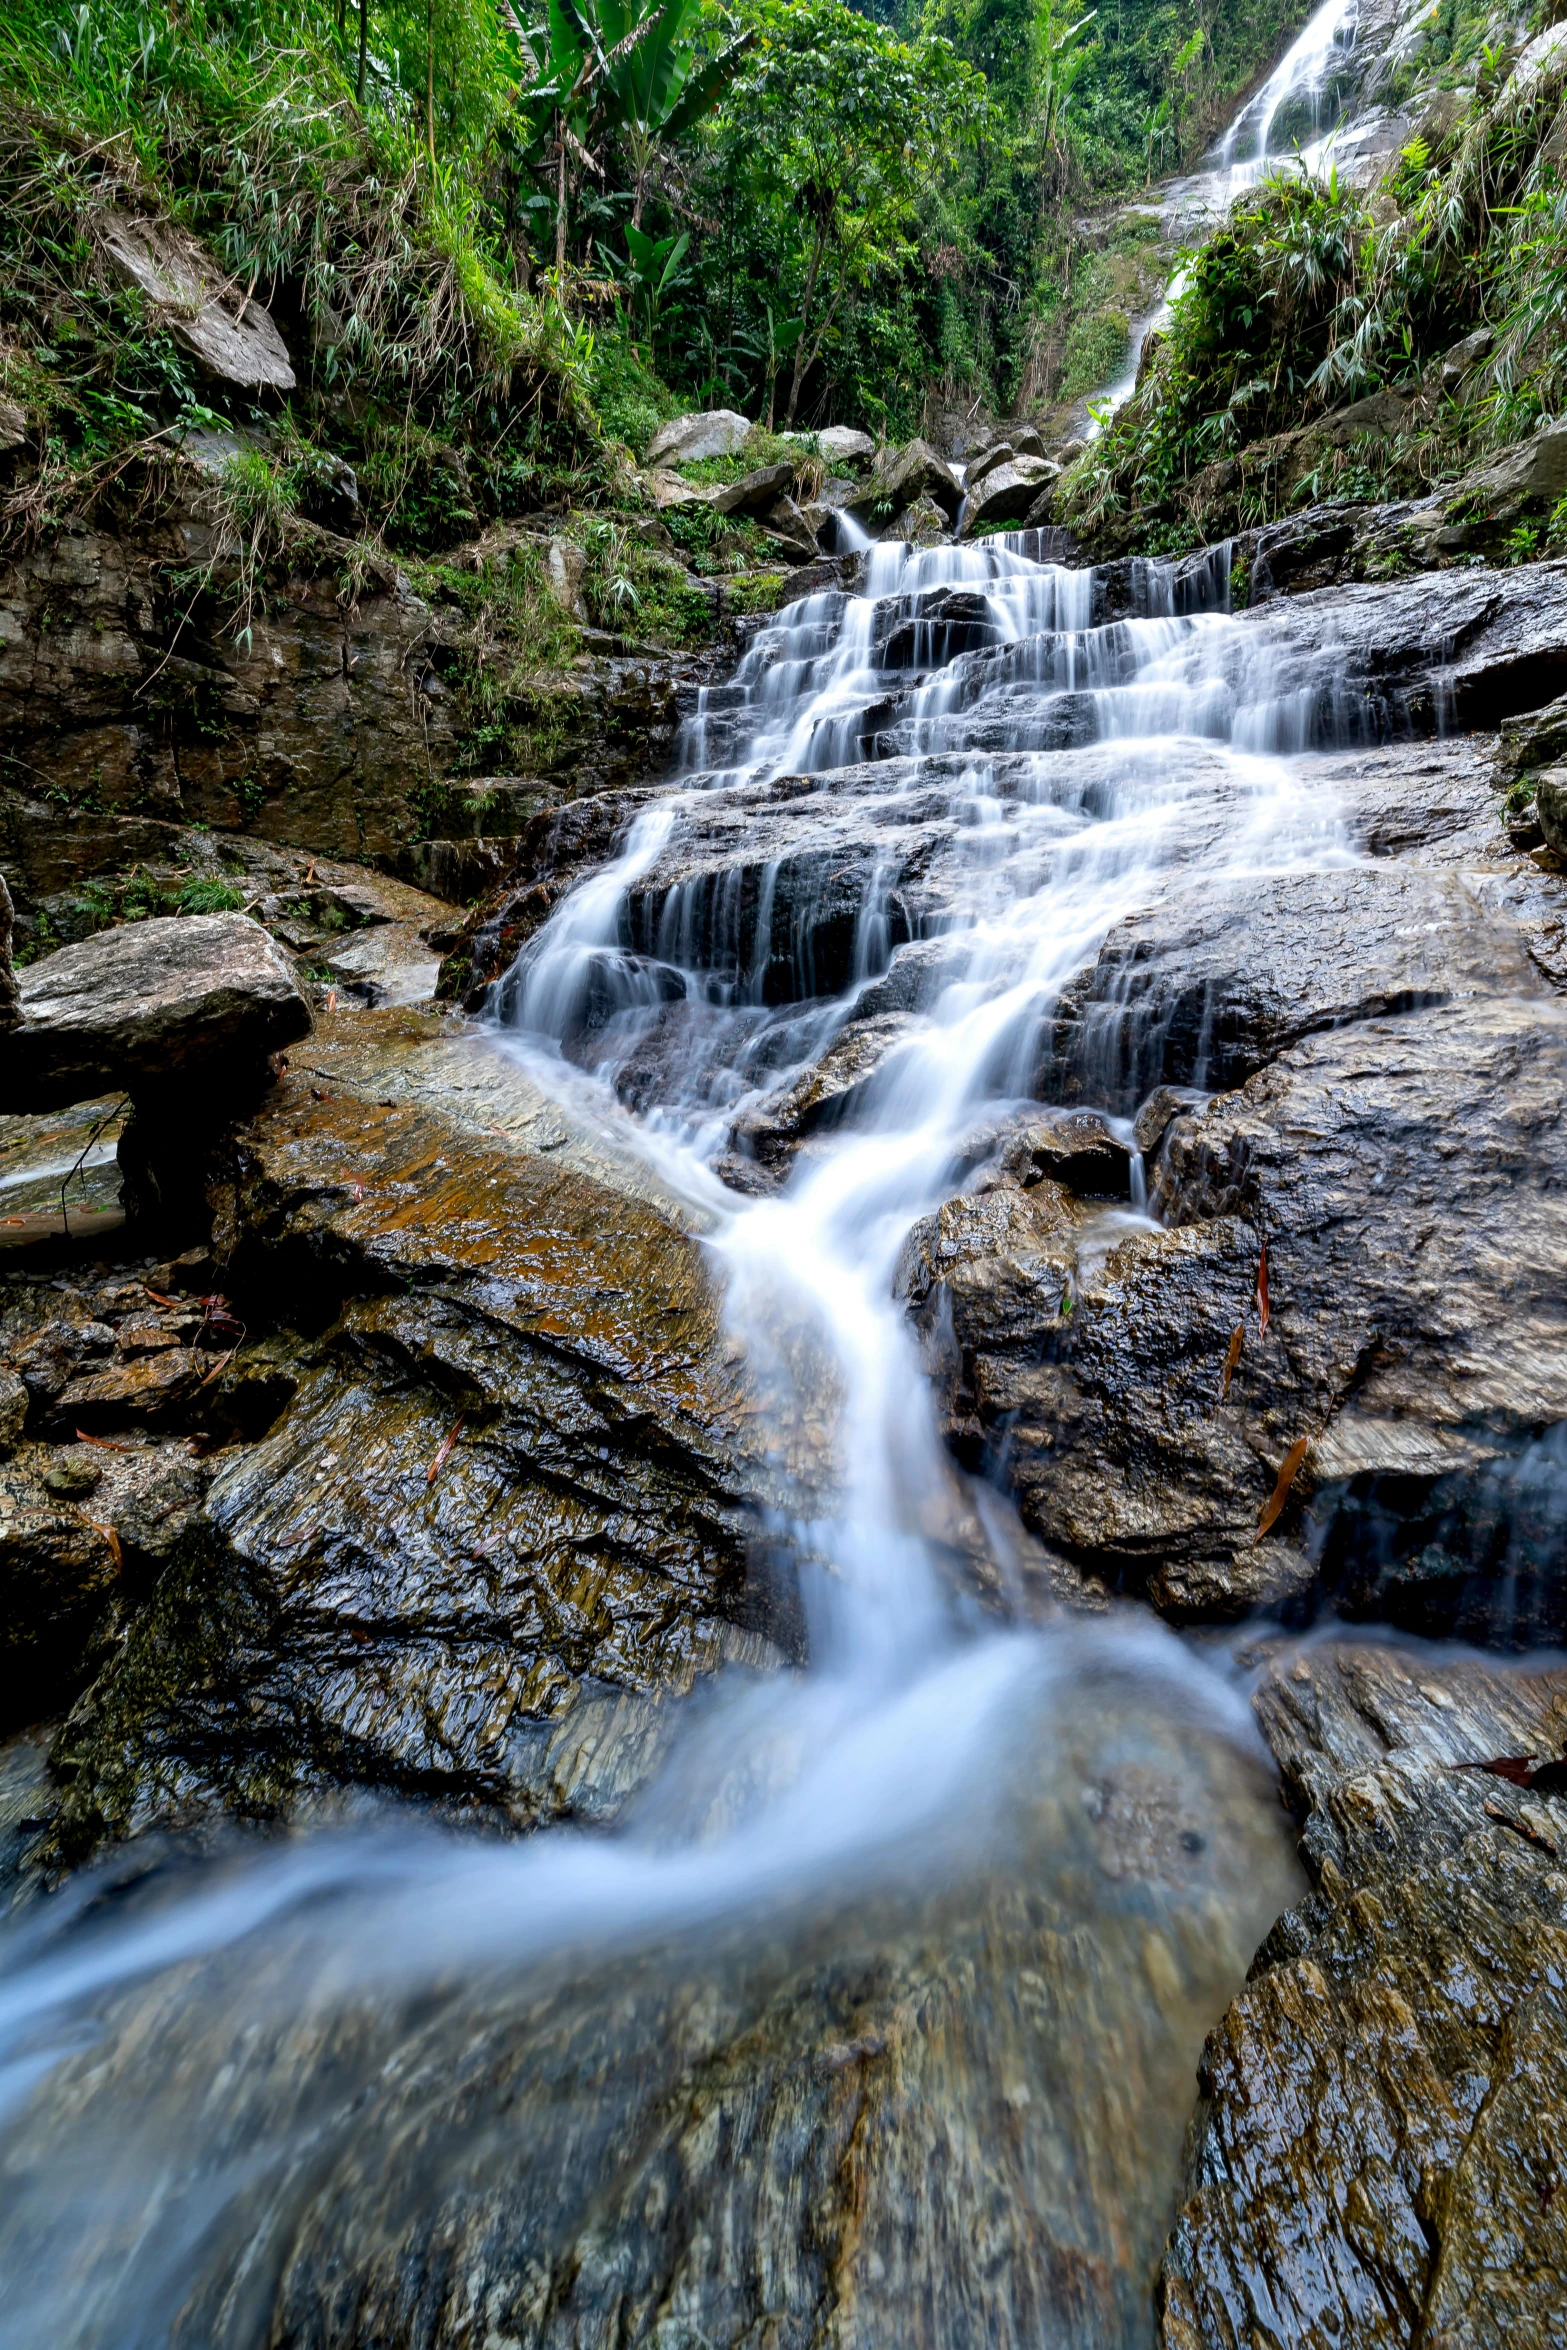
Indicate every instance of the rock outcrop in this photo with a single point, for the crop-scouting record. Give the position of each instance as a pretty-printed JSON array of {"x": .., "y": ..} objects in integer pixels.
[
  {"x": 1380, "y": 2150},
  {"x": 508, "y": 1506}
]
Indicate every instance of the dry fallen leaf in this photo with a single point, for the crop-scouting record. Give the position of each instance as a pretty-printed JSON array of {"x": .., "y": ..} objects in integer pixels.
[
  {"x": 1237, "y": 1339},
  {"x": 113, "y": 1540},
  {"x": 1281, "y": 1492},
  {"x": 440, "y": 1460},
  {"x": 1262, "y": 1291},
  {"x": 104, "y": 1443}
]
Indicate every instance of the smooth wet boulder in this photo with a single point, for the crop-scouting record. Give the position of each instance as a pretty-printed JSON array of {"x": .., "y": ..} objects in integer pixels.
[
  {"x": 180, "y": 1000},
  {"x": 688, "y": 440},
  {"x": 1211, "y": 983},
  {"x": 509, "y": 1508},
  {"x": 1379, "y": 2155}
]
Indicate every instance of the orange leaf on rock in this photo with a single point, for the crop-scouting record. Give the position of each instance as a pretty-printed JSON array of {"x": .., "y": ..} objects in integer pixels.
[
  {"x": 440, "y": 1460},
  {"x": 1263, "y": 1316},
  {"x": 1281, "y": 1492},
  {"x": 1237, "y": 1340}
]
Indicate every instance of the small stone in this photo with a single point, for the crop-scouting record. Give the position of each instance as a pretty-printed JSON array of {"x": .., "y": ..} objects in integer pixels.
[{"x": 71, "y": 1475}]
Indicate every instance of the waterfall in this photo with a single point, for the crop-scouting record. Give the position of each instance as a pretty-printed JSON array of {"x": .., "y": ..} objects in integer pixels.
[
  {"x": 1297, "y": 97},
  {"x": 966, "y": 771}
]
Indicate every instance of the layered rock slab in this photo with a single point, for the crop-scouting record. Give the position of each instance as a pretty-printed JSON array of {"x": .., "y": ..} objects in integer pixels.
[
  {"x": 1379, "y": 2154},
  {"x": 1406, "y": 1178},
  {"x": 516, "y": 1477}
]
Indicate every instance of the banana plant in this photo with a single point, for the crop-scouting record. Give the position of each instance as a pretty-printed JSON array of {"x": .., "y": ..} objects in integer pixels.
[
  {"x": 655, "y": 264},
  {"x": 597, "y": 69}
]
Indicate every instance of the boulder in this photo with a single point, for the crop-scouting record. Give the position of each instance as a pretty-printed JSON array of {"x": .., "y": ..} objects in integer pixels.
[
  {"x": 754, "y": 492},
  {"x": 840, "y": 444},
  {"x": 687, "y": 440},
  {"x": 227, "y": 330},
  {"x": 1007, "y": 492},
  {"x": 1378, "y": 2150},
  {"x": 13, "y": 425},
  {"x": 903, "y": 476},
  {"x": 181, "y": 1001},
  {"x": 668, "y": 489},
  {"x": 1534, "y": 739},
  {"x": 1526, "y": 479},
  {"x": 1407, "y": 1176},
  {"x": 789, "y": 525}
]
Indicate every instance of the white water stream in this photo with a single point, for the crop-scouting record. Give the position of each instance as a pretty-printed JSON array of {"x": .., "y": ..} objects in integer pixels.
[{"x": 1294, "y": 117}]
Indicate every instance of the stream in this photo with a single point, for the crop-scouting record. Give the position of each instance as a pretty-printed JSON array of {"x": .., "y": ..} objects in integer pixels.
[
  {"x": 1013, "y": 1875},
  {"x": 875, "y": 2017}
]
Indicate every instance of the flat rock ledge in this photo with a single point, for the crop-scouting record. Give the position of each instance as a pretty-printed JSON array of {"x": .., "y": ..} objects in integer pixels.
[{"x": 1379, "y": 2156}]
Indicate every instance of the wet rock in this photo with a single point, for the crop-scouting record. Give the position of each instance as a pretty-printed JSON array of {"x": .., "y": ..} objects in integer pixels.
[
  {"x": 1537, "y": 739},
  {"x": 176, "y": 1001},
  {"x": 1550, "y": 800},
  {"x": 10, "y": 1010},
  {"x": 941, "y": 2103},
  {"x": 832, "y": 1089},
  {"x": 1378, "y": 2154},
  {"x": 58, "y": 1576},
  {"x": 687, "y": 440},
  {"x": 1207, "y": 986},
  {"x": 14, "y": 1402},
  {"x": 515, "y": 1475},
  {"x": 230, "y": 332},
  {"x": 1404, "y": 1176}
]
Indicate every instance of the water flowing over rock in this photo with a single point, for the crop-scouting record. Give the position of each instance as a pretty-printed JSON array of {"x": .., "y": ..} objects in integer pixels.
[{"x": 830, "y": 1253}]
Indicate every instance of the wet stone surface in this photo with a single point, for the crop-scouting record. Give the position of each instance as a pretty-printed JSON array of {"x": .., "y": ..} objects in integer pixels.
[{"x": 1380, "y": 2149}]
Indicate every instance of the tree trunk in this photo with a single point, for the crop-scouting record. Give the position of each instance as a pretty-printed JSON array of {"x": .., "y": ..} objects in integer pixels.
[
  {"x": 364, "y": 45},
  {"x": 817, "y": 251}
]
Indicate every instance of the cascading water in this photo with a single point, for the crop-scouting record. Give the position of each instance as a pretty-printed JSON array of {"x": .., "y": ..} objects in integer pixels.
[
  {"x": 930, "y": 798},
  {"x": 1294, "y": 115}
]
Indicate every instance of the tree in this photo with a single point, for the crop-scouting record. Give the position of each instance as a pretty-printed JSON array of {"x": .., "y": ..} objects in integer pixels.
[{"x": 844, "y": 126}]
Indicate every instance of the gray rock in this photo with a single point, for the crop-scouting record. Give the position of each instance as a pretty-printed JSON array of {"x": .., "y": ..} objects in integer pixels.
[
  {"x": 1378, "y": 2146},
  {"x": 1391, "y": 1167},
  {"x": 687, "y": 440},
  {"x": 172, "y": 1001},
  {"x": 903, "y": 476},
  {"x": 755, "y": 492},
  {"x": 1536, "y": 739},
  {"x": 1209, "y": 985},
  {"x": 1460, "y": 362},
  {"x": 13, "y": 425},
  {"x": 230, "y": 332},
  {"x": 1550, "y": 800},
  {"x": 14, "y": 1400},
  {"x": 840, "y": 444},
  {"x": 1008, "y": 492}
]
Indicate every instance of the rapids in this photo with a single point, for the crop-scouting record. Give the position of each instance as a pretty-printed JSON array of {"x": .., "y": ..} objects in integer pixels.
[{"x": 225, "y": 2088}]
